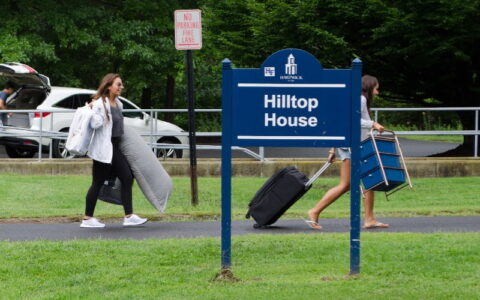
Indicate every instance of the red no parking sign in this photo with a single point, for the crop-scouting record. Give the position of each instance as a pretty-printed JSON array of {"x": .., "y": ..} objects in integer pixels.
[{"x": 188, "y": 29}]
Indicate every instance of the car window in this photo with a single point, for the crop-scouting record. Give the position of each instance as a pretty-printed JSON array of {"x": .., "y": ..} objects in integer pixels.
[
  {"x": 131, "y": 114},
  {"x": 82, "y": 99},
  {"x": 74, "y": 101},
  {"x": 66, "y": 103}
]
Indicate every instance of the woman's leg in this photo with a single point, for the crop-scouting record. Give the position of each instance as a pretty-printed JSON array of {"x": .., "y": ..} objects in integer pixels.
[
  {"x": 122, "y": 170},
  {"x": 332, "y": 194},
  {"x": 100, "y": 172},
  {"x": 370, "y": 221}
]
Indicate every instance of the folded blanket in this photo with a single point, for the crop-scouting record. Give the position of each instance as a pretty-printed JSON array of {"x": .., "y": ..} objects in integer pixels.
[{"x": 151, "y": 177}]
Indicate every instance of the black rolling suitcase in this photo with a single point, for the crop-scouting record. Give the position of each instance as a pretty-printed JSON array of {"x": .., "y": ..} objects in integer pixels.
[{"x": 278, "y": 193}]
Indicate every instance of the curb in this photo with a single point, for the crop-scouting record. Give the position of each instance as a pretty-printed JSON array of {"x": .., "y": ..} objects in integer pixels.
[{"x": 417, "y": 167}]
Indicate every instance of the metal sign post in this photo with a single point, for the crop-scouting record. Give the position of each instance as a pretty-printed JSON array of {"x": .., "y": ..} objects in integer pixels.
[
  {"x": 356, "y": 87},
  {"x": 291, "y": 101},
  {"x": 192, "y": 128},
  {"x": 188, "y": 36}
]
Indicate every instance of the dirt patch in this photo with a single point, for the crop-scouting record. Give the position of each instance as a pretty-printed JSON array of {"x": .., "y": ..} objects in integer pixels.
[
  {"x": 225, "y": 275},
  {"x": 328, "y": 278}
]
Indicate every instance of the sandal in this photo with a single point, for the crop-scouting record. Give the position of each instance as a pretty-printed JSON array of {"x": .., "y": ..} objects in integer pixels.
[
  {"x": 313, "y": 224},
  {"x": 376, "y": 225}
]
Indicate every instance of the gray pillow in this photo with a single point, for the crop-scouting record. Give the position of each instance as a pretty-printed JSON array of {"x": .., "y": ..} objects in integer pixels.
[{"x": 151, "y": 177}]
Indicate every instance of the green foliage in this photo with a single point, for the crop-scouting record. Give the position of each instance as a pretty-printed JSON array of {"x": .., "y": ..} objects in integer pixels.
[
  {"x": 77, "y": 42},
  {"x": 423, "y": 52},
  {"x": 431, "y": 48}
]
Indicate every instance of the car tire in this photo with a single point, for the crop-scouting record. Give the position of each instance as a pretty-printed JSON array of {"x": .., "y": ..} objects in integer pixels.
[
  {"x": 14, "y": 152},
  {"x": 58, "y": 148},
  {"x": 169, "y": 153}
]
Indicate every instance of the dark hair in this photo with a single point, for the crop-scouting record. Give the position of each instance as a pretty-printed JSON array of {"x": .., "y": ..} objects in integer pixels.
[
  {"x": 368, "y": 84},
  {"x": 102, "y": 90},
  {"x": 105, "y": 83},
  {"x": 9, "y": 85}
]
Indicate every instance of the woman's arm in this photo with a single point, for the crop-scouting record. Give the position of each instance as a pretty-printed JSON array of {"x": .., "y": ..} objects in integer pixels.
[{"x": 366, "y": 121}]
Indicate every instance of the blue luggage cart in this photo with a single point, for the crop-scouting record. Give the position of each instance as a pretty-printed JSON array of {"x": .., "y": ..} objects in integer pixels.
[{"x": 382, "y": 166}]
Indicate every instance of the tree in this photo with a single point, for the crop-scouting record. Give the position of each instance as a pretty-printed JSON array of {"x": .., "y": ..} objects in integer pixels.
[
  {"x": 76, "y": 42},
  {"x": 429, "y": 49},
  {"x": 418, "y": 49}
]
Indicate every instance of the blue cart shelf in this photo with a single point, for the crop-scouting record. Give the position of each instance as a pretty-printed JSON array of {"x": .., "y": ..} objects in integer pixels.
[{"x": 382, "y": 166}]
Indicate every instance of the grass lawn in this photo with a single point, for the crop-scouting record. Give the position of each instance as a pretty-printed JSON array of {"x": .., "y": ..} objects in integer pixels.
[
  {"x": 439, "y": 138},
  {"x": 457, "y": 139},
  {"x": 64, "y": 196},
  {"x": 394, "y": 266}
]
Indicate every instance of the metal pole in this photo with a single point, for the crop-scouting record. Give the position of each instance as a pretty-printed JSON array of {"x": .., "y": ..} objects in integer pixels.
[
  {"x": 155, "y": 129},
  {"x": 152, "y": 140},
  {"x": 191, "y": 128},
  {"x": 476, "y": 135},
  {"x": 50, "y": 155},
  {"x": 226, "y": 189},
  {"x": 355, "y": 169},
  {"x": 40, "y": 138}
]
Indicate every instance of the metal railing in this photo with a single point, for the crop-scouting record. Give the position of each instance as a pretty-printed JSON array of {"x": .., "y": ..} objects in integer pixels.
[
  {"x": 153, "y": 135},
  {"x": 43, "y": 133},
  {"x": 474, "y": 132}
]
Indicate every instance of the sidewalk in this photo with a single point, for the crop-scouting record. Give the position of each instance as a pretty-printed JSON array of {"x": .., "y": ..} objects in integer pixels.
[{"x": 162, "y": 230}]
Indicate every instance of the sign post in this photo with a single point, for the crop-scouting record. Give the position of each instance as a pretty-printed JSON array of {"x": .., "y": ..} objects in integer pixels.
[
  {"x": 291, "y": 101},
  {"x": 188, "y": 36}
]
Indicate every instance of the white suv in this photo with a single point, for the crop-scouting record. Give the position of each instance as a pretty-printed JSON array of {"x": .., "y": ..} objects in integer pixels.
[{"x": 33, "y": 91}]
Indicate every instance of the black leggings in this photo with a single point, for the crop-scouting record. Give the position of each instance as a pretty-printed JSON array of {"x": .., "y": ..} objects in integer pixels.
[{"x": 102, "y": 171}]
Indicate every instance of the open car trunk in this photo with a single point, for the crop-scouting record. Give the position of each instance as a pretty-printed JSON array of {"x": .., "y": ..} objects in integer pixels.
[{"x": 22, "y": 99}]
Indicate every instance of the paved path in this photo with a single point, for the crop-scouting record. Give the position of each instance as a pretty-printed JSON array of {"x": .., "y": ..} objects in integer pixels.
[{"x": 160, "y": 230}]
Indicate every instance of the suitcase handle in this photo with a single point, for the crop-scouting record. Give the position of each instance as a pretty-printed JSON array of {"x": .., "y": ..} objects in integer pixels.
[{"x": 319, "y": 172}]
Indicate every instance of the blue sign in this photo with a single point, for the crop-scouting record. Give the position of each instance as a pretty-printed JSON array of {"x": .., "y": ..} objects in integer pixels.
[{"x": 291, "y": 100}]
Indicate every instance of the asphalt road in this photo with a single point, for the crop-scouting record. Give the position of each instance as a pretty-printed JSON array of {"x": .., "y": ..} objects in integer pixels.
[
  {"x": 410, "y": 148},
  {"x": 162, "y": 230}
]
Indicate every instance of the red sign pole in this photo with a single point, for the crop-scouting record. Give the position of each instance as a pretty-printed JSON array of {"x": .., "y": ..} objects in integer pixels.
[{"x": 188, "y": 36}]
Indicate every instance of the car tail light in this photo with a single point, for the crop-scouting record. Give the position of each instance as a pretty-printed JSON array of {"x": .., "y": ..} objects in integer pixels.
[
  {"x": 41, "y": 115},
  {"x": 30, "y": 69}
]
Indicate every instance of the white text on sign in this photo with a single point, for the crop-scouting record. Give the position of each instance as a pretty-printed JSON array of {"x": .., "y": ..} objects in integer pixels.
[{"x": 289, "y": 102}]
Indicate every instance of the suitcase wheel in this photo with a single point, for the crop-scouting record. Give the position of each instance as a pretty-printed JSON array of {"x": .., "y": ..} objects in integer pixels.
[{"x": 258, "y": 226}]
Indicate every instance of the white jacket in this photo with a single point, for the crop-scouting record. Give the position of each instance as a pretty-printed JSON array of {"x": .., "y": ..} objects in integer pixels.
[
  {"x": 101, "y": 148},
  {"x": 80, "y": 133}
]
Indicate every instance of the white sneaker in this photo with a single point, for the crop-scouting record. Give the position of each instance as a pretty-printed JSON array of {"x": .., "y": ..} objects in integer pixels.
[
  {"x": 134, "y": 220},
  {"x": 92, "y": 223}
]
